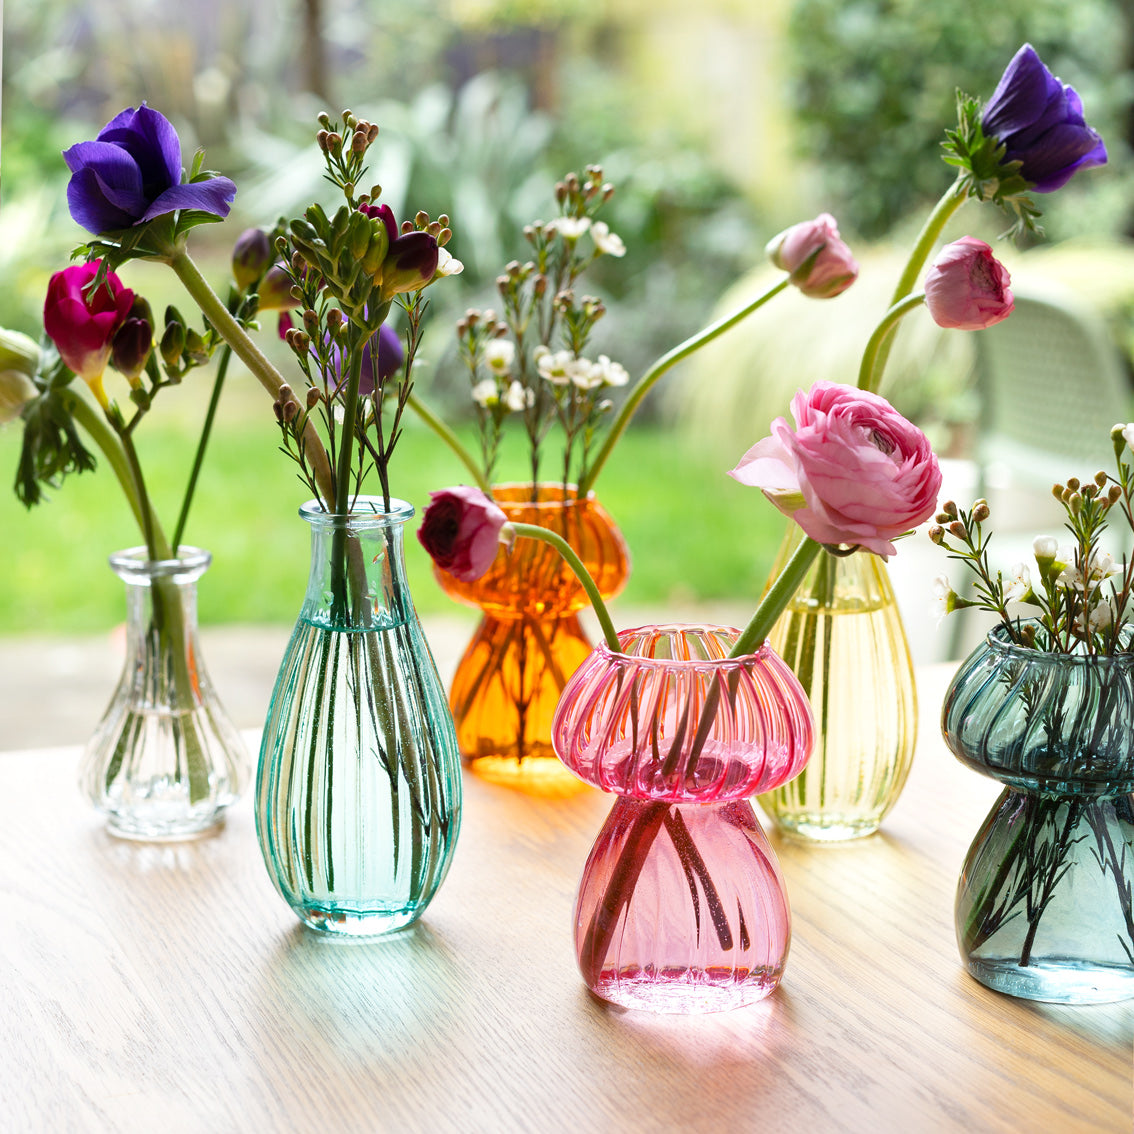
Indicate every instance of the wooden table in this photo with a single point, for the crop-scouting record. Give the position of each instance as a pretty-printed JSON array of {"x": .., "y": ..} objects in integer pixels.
[{"x": 167, "y": 987}]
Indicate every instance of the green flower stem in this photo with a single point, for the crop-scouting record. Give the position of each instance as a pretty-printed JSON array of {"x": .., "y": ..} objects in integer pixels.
[
  {"x": 199, "y": 457},
  {"x": 874, "y": 357},
  {"x": 646, "y": 382},
  {"x": 450, "y": 439},
  {"x": 534, "y": 531},
  {"x": 252, "y": 357},
  {"x": 778, "y": 596},
  {"x": 155, "y": 548},
  {"x": 107, "y": 440},
  {"x": 953, "y": 198}
]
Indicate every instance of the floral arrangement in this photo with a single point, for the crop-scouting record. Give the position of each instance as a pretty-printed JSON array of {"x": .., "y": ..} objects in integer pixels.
[
  {"x": 1081, "y": 599},
  {"x": 853, "y": 471},
  {"x": 527, "y": 363}
]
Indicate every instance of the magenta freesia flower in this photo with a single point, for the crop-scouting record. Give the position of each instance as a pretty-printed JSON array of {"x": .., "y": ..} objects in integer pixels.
[
  {"x": 82, "y": 323},
  {"x": 852, "y": 471},
  {"x": 460, "y": 529},
  {"x": 411, "y": 259},
  {"x": 967, "y": 287},
  {"x": 821, "y": 265},
  {"x": 1040, "y": 121},
  {"x": 131, "y": 173}
]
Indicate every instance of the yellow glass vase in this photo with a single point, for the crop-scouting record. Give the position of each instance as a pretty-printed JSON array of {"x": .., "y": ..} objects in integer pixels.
[{"x": 843, "y": 638}]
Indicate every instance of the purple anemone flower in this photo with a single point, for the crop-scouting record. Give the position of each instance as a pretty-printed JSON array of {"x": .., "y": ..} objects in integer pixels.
[
  {"x": 131, "y": 173},
  {"x": 1040, "y": 121},
  {"x": 389, "y": 359}
]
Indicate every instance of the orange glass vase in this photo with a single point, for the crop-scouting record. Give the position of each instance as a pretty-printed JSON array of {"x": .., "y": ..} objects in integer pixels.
[{"x": 529, "y": 641}]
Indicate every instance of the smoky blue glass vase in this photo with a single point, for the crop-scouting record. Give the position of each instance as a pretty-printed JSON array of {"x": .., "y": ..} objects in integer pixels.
[
  {"x": 358, "y": 787},
  {"x": 1044, "y": 908}
]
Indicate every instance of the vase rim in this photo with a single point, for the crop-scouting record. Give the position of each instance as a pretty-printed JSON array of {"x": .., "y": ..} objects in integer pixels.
[
  {"x": 570, "y": 493},
  {"x": 997, "y": 640},
  {"x": 367, "y": 509},
  {"x": 136, "y": 561},
  {"x": 758, "y": 654}
]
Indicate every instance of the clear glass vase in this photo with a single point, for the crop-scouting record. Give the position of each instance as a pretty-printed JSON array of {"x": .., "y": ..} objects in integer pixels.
[
  {"x": 682, "y": 906},
  {"x": 165, "y": 760},
  {"x": 1044, "y": 908},
  {"x": 529, "y": 640},
  {"x": 842, "y": 636},
  {"x": 358, "y": 790}
]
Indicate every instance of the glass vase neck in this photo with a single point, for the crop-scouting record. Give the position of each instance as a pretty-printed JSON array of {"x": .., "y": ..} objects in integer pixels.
[{"x": 134, "y": 568}]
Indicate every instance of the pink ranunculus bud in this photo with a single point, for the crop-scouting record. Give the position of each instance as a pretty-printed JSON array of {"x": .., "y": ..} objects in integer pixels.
[
  {"x": 967, "y": 287},
  {"x": 461, "y": 529},
  {"x": 820, "y": 264},
  {"x": 82, "y": 323},
  {"x": 852, "y": 471}
]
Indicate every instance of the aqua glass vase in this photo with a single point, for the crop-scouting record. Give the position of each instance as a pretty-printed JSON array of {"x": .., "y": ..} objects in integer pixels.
[
  {"x": 1044, "y": 909},
  {"x": 682, "y": 906},
  {"x": 358, "y": 794},
  {"x": 165, "y": 761},
  {"x": 842, "y": 636}
]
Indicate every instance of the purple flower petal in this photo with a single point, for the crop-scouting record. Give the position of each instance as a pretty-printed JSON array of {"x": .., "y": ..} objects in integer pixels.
[
  {"x": 149, "y": 138},
  {"x": 88, "y": 204},
  {"x": 213, "y": 196}
]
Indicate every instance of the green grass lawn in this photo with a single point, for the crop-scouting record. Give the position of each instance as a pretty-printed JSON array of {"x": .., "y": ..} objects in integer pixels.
[{"x": 694, "y": 533}]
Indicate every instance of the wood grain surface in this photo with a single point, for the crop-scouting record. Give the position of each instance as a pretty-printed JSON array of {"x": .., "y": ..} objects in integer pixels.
[{"x": 168, "y": 988}]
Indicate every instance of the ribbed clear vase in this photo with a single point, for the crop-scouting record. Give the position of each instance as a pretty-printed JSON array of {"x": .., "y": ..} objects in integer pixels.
[
  {"x": 1044, "y": 908},
  {"x": 358, "y": 790},
  {"x": 842, "y": 636},
  {"x": 165, "y": 760}
]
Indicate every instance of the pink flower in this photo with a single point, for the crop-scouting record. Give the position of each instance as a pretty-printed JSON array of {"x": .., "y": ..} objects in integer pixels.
[
  {"x": 82, "y": 323},
  {"x": 853, "y": 471},
  {"x": 967, "y": 287},
  {"x": 461, "y": 531},
  {"x": 821, "y": 265}
]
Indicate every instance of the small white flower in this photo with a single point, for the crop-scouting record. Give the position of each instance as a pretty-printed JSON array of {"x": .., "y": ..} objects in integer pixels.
[
  {"x": 607, "y": 242},
  {"x": 1128, "y": 434},
  {"x": 1019, "y": 583},
  {"x": 554, "y": 367},
  {"x": 613, "y": 373},
  {"x": 16, "y": 389},
  {"x": 339, "y": 412},
  {"x": 499, "y": 354},
  {"x": 1101, "y": 566},
  {"x": 943, "y": 596},
  {"x": 584, "y": 374},
  {"x": 570, "y": 228},
  {"x": 1045, "y": 547},
  {"x": 447, "y": 265},
  {"x": 486, "y": 393},
  {"x": 517, "y": 397}
]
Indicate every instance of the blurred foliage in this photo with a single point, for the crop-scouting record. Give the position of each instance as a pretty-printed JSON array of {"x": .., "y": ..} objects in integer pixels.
[{"x": 875, "y": 85}]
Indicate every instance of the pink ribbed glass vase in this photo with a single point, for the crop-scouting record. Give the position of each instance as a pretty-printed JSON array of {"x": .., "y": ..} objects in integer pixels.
[{"x": 682, "y": 906}]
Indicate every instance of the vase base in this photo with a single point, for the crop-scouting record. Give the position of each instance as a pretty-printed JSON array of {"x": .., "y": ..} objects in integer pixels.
[
  {"x": 1056, "y": 981},
  {"x": 165, "y": 825},
  {"x": 685, "y": 991},
  {"x": 356, "y": 924},
  {"x": 811, "y": 827},
  {"x": 535, "y": 775}
]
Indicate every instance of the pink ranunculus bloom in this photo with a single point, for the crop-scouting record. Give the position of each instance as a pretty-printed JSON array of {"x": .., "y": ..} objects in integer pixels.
[
  {"x": 460, "y": 529},
  {"x": 821, "y": 265},
  {"x": 853, "y": 471},
  {"x": 967, "y": 287},
  {"x": 82, "y": 323}
]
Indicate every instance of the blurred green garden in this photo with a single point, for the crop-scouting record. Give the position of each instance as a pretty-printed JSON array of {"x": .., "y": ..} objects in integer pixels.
[{"x": 720, "y": 124}]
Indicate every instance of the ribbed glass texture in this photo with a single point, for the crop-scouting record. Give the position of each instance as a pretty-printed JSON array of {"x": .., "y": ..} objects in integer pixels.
[
  {"x": 674, "y": 718},
  {"x": 529, "y": 640},
  {"x": 1044, "y": 907},
  {"x": 165, "y": 760},
  {"x": 682, "y": 906},
  {"x": 843, "y": 638},
  {"x": 358, "y": 791}
]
